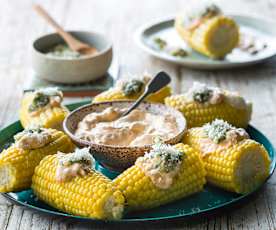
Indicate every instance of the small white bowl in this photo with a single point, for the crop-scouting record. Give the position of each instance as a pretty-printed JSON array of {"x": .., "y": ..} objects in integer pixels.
[{"x": 78, "y": 70}]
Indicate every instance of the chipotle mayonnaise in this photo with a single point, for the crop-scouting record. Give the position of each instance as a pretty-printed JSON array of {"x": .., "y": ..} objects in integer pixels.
[{"x": 138, "y": 128}]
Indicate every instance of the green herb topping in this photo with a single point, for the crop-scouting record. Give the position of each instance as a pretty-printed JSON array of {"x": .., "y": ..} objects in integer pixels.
[
  {"x": 202, "y": 96},
  {"x": 164, "y": 157},
  {"x": 133, "y": 87},
  {"x": 63, "y": 51},
  {"x": 161, "y": 43},
  {"x": 43, "y": 97},
  {"x": 217, "y": 130},
  {"x": 35, "y": 130},
  {"x": 81, "y": 156},
  {"x": 210, "y": 11},
  {"x": 179, "y": 53},
  {"x": 40, "y": 100}
]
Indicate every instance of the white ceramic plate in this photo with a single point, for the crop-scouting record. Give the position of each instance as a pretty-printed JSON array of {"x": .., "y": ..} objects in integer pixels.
[{"x": 262, "y": 30}]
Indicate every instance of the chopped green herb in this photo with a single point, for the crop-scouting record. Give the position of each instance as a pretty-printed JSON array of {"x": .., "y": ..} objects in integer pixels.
[
  {"x": 160, "y": 43},
  {"x": 63, "y": 51},
  {"x": 34, "y": 130},
  {"x": 28, "y": 131},
  {"x": 202, "y": 96},
  {"x": 40, "y": 100},
  {"x": 210, "y": 11},
  {"x": 217, "y": 130},
  {"x": 166, "y": 157},
  {"x": 133, "y": 87},
  {"x": 179, "y": 53},
  {"x": 81, "y": 156}
]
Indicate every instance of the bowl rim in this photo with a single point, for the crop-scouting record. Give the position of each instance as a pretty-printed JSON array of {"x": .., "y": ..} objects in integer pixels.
[
  {"x": 173, "y": 111},
  {"x": 85, "y": 57}
]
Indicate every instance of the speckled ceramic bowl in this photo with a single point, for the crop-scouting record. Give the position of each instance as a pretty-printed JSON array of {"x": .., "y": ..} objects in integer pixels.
[
  {"x": 113, "y": 157},
  {"x": 69, "y": 71}
]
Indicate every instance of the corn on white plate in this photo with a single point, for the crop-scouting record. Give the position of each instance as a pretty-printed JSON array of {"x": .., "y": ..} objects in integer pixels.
[
  {"x": 263, "y": 31},
  {"x": 210, "y": 200}
]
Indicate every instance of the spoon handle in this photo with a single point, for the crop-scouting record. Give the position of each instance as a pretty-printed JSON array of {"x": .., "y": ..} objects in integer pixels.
[
  {"x": 136, "y": 104},
  {"x": 69, "y": 39},
  {"x": 158, "y": 82}
]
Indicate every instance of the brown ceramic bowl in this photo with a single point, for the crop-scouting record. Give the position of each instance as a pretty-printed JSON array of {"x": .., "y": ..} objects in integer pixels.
[{"x": 113, "y": 157}]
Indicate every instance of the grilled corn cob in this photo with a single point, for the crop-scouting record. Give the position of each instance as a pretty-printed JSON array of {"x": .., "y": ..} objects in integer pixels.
[
  {"x": 89, "y": 195},
  {"x": 202, "y": 104},
  {"x": 208, "y": 31},
  {"x": 144, "y": 188},
  {"x": 232, "y": 160},
  {"x": 42, "y": 108},
  {"x": 126, "y": 89},
  {"x": 17, "y": 163}
]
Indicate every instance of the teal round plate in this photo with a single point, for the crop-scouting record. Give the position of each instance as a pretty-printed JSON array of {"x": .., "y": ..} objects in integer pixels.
[
  {"x": 264, "y": 31},
  {"x": 210, "y": 200}
]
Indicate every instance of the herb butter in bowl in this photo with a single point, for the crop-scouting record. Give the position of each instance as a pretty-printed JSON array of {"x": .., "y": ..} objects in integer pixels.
[
  {"x": 63, "y": 51},
  {"x": 117, "y": 141},
  {"x": 54, "y": 61}
]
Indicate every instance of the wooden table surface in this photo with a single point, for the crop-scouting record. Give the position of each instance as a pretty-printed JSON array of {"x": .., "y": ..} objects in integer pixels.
[{"x": 118, "y": 20}]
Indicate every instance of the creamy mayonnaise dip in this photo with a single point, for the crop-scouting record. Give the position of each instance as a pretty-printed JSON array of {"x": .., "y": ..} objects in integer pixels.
[
  {"x": 209, "y": 95},
  {"x": 71, "y": 165},
  {"x": 219, "y": 135},
  {"x": 161, "y": 164},
  {"x": 33, "y": 138},
  {"x": 136, "y": 129}
]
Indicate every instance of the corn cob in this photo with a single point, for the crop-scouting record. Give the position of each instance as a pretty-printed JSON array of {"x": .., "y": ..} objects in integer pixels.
[
  {"x": 198, "y": 113},
  {"x": 90, "y": 196},
  {"x": 141, "y": 193},
  {"x": 238, "y": 167},
  {"x": 210, "y": 33},
  {"x": 131, "y": 90},
  {"x": 17, "y": 165},
  {"x": 48, "y": 116}
]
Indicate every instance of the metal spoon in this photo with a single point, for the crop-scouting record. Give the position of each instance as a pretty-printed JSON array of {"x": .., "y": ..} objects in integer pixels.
[
  {"x": 158, "y": 82},
  {"x": 72, "y": 42}
]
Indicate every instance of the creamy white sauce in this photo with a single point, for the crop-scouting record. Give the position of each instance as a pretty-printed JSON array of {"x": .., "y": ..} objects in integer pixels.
[
  {"x": 136, "y": 129},
  {"x": 218, "y": 95},
  {"x": 33, "y": 139},
  {"x": 54, "y": 96},
  {"x": 71, "y": 165},
  {"x": 67, "y": 173},
  {"x": 233, "y": 136}
]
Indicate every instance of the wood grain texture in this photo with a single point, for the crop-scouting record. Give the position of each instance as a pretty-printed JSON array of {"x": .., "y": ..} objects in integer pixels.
[{"x": 119, "y": 20}]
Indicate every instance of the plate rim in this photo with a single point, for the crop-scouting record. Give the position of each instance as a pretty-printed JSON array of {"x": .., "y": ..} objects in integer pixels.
[
  {"x": 215, "y": 64},
  {"x": 207, "y": 211}
]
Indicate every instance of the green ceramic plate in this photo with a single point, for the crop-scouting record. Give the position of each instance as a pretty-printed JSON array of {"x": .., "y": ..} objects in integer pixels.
[
  {"x": 262, "y": 30},
  {"x": 210, "y": 200}
]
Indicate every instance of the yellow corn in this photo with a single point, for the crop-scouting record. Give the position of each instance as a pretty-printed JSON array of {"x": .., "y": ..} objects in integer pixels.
[
  {"x": 240, "y": 168},
  {"x": 141, "y": 193},
  {"x": 214, "y": 37},
  {"x": 115, "y": 94},
  {"x": 198, "y": 114},
  {"x": 17, "y": 165},
  {"x": 91, "y": 196},
  {"x": 48, "y": 117}
]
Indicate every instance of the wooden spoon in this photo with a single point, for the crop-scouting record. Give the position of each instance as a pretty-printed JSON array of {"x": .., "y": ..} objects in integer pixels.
[
  {"x": 158, "y": 82},
  {"x": 71, "y": 41}
]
